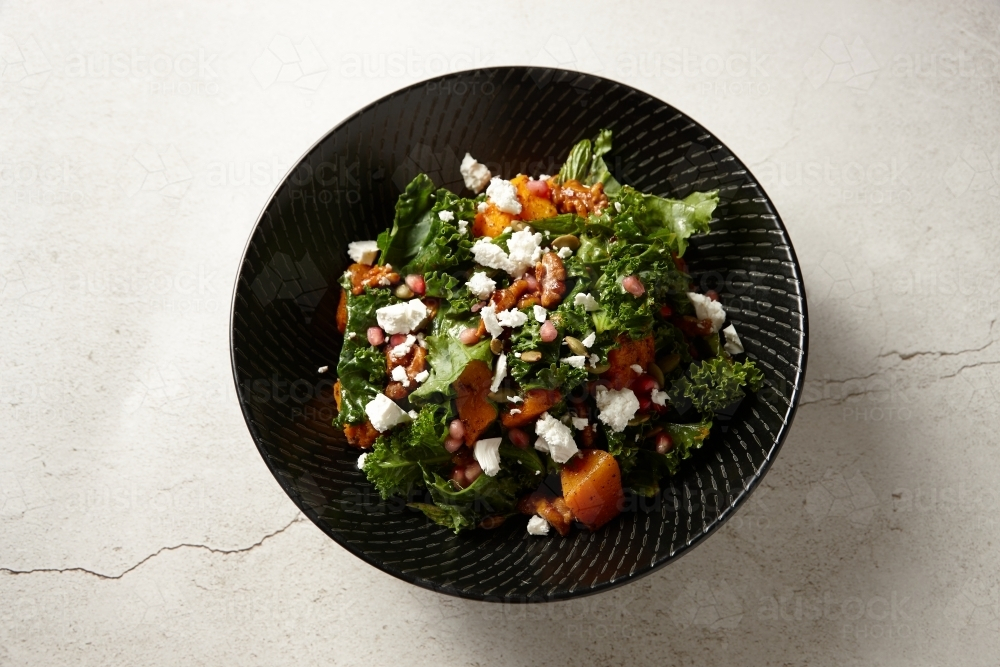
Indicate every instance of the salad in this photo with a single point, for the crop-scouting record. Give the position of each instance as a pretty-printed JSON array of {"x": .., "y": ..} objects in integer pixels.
[{"x": 536, "y": 349}]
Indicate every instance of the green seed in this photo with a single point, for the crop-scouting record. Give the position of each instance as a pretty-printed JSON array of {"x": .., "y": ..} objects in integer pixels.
[
  {"x": 641, "y": 419},
  {"x": 657, "y": 374},
  {"x": 404, "y": 292},
  {"x": 566, "y": 241},
  {"x": 518, "y": 225},
  {"x": 575, "y": 345},
  {"x": 531, "y": 356},
  {"x": 496, "y": 346},
  {"x": 668, "y": 363},
  {"x": 600, "y": 368}
]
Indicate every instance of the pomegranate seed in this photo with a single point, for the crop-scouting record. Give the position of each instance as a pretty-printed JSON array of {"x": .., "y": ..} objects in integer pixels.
[
  {"x": 666, "y": 311},
  {"x": 538, "y": 188},
  {"x": 518, "y": 438},
  {"x": 644, "y": 403},
  {"x": 456, "y": 428},
  {"x": 644, "y": 384},
  {"x": 548, "y": 332},
  {"x": 633, "y": 286},
  {"x": 680, "y": 264},
  {"x": 469, "y": 336},
  {"x": 473, "y": 471},
  {"x": 476, "y": 307},
  {"x": 664, "y": 443},
  {"x": 452, "y": 444},
  {"x": 458, "y": 477},
  {"x": 417, "y": 284},
  {"x": 376, "y": 336},
  {"x": 532, "y": 282},
  {"x": 397, "y": 339},
  {"x": 712, "y": 294}
]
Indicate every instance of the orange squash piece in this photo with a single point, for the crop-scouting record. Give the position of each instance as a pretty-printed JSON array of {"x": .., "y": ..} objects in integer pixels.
[
  {"x": 592, "y": 487},
  {"x": 641, "y": 352},
  {"x": 491, "y": 222},
  {"x": 475, "y": 410},
  {"x": 536, "y": 401},
  {"x": 533, "y": 207},
  {"x": 550, "y": 507}
]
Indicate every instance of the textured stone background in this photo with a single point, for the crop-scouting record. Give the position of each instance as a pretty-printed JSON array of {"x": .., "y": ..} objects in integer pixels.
[{"x": 139, "y": 141}]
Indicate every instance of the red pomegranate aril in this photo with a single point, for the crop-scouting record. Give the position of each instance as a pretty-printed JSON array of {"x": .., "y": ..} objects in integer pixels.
[
  {"x": 666, "y": 311},
  {"x": 456, "y": 428},
  {"x": 644, "y": 403},
  {"x": 452, "y": 444},
  {"x": 518, "y": 438},
  {"x": 469, "y": 336},
  {"x": 538, "y": 188},
  {"x": 458, "y": 477},
  {"x": 397, "y": 339},
  {"x": 633, "y": 286},
  {"x": 376, "y": 336},
  {"x": 473, "y": 471},
  {"x": 476, "y": 307},
  {"x": 548, "y": 332},
  {"x": 532, "y": 282},
  {"x": 712, "y": 294},
  {"x": 664, "y": 443},
  {"x": 644, "y": 384},
  {"x": 417, "y": 284}
]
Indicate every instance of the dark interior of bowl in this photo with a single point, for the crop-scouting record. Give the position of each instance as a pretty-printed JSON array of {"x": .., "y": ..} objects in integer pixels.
[{"x": 514, "y": 120}]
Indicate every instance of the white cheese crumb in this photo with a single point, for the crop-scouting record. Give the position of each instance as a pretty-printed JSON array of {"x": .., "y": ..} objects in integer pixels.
[
  {"x": 618, "y": 206},
  {"x": 504, "y": 195},
  {"x": 637, "y": 368},
  {"x": 475, "y": 175},
  {"x": 706, "y": 309},
  {"x": 399, "y": 375},
  {"x": 352, "y": 335},
  {"x": 463, "y": 227},
  {"x": 515, "y": 399},
  {"x": 421, "y": 340},
  {"x": 555, "y": 438},
  {"x": 580, "y": 423},
  {"x": 733, "y": 343},
  {"x": 538, "y": 526},
  {"x": 564, "y": 252},
  {"x": 515, "y": 411},
  {"x": 589, "y": 340},
  {"x": 489, "y": 316},
  {"x": 482, "y": 207},
  {"x": 588, "y": 302},
  {"x": 490, "y": 254},
  {"x": 413, "y": 414},
  {"x": 487, "y": 452},
  {"x": 576, "y": 361},
  {"x": 594, "y": 359},
  {"x": 421, "y": 376},
  {"x": 447, "y": 216},
  {"x": 658, "y": 397},
  {"x": 540, "y": 314},
  {"x": 617, "y": 407},
  {"x": 524, "y": 249},
  {"x": 517, "y": 355},
  {"x": 403, "y": 349},
  {"x": 481, "y": 285},
  {"x": 500, "y": 373},
  {"x": 383, "y": 413},
  {"x": 363, "y": 252},
  {"x": 361, "y": 461},
  {"x": 323, "y": 369},
  {"x": 511, "y": 318},
  {"x": 402, "y": 317}
]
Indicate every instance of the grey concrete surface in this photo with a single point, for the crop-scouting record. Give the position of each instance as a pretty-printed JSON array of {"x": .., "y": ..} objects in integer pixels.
[{"x": 138, "y": 142}]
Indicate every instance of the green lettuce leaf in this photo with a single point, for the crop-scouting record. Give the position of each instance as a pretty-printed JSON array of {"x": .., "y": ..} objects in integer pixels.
[
  {"x": 586, "y": 164},
  {"x": 447, "y": 357},
  {"x": 411, "y": 224},
  {"x": 441, "y": 246}
]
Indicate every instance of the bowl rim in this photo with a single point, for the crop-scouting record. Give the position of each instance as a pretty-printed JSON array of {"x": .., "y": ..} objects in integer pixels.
[{"x": 673, "y": 556}]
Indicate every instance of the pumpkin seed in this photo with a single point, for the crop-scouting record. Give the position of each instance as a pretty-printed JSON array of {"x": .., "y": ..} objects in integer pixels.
[
  {"x": 518, "y": 225},
  {"x": 496, "y": 346},
  {"x": 641, "y": 419},
  {"x": 531, "y": 356},
  {"x": 576, "y": 345},
  {"x": 657, "y": 374},
  {"x": 566, "y": 241},
  {"x": 600, "y": 368},
  {"x": 404, "y": 292},
  {"x": 668, "y": 363}
]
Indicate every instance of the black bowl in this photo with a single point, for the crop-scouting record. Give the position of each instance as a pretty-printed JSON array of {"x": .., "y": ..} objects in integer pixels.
[{"x": 515, "y": 119}]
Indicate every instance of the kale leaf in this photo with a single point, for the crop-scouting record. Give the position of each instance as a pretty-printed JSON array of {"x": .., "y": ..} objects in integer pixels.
[
  {"x": 716, "y": 383},
  {"x": 447, "y": 356},
  {"x": 396, "y": 465},
  {"x": 463, "y": 509},
  {"x": 361, "y": 367},
  {"x": 411, "y": 224}
]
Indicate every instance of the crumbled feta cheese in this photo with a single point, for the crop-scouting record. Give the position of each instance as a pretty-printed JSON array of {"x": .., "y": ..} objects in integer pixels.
[
  {"x": 475, "y": 175},
  {"x": 482, "y": 207},
  {"x": 618, "y": 206},
  {"x": 489, "y": 315},
  {"x": 517, "y": 355},
  {"x": 588, "y": 302},
  {"x": 363, "y": 252},
  {"x": 421, "y": 376},
  {"x": 421, "y": 340},
  {"x": 538, "y": 526},
  {"x": 413, "y": 414},
  {"x": 515, "y": 399},
  {"x": 576, "y": 361},
  {"x": 323, "y": 369},
  {"x": 658, "y": 397},
  {"x": 706, "y": 309},
  {"x": 511, "y": 318},
  {"x": 515, "y": 411},
  {"x": 481, "y": 285},
  {"x": 383, "y": 413},
  {"x": 504, "y": 195},
  {"x": 540, "y": 314},
  {"x": 637, "y": 368},
  {"x": 617, "y": 407},
  {"x": 594, "y": 359},
  {"x": 402, "y": 317},
  {"x": 446, "y": 216},
  {"x": 555, "y": 438},
  {"x": 524, "y": 249},
  {"x": 487, "y": 452},
  {"x": 403, "y": 349},
  {"x": 544, "y": 177},
  {"x": 500, "y": 373},
  {"x": 564, "y": 252},
  {"x": 490, "y": 254},
  {"x": 733, "y": 343},
  {"x": 580, "y": 423},
  {"x": 463, "y": 227},
  {"x": 589, "y": 340},
  {"x": 361, "y": 461},
  {"x": 399, "y": 375}
]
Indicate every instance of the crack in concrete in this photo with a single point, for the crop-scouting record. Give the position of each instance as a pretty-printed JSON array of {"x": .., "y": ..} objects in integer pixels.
[
  {"x": 904, "y": 356},
  {"x": 154, "y": 555}
]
